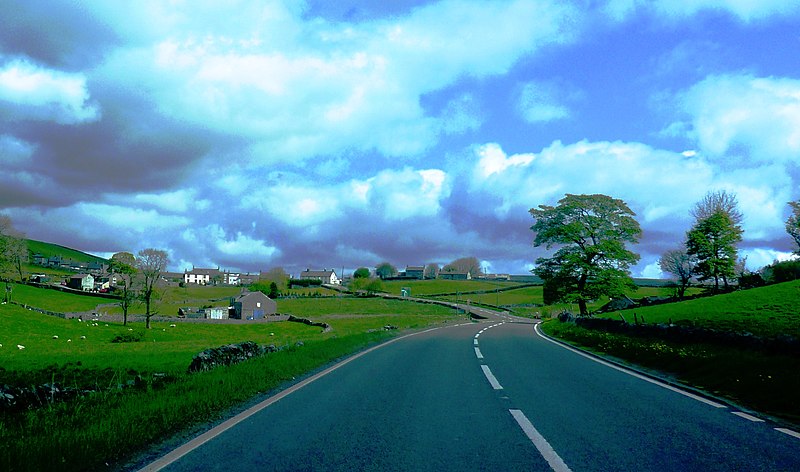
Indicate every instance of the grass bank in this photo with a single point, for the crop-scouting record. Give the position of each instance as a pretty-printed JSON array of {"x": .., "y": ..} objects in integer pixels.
[{"x": 761, "y": 381}]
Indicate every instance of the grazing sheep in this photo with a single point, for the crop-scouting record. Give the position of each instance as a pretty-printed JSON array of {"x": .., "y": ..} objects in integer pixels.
[
  {"x": 69, "y": 340},
  {"x": 55, "y": 337},
  {"x": 172, "y": 326},
  {"x": 83, "y": 337},
  {"x": 20, "y": 347}
]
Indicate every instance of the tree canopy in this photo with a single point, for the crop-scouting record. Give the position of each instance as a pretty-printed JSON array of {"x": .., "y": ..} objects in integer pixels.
[
  {"x": 793, "y": 225},
  {"x": 123, "y": 266},
  {"x": 713, "y": 241},
  {"x": 385, "y": 270},
  {"x": 591, "y": 232},
  {"x": 361, "y": 273},
  {"x": 680, "y": 264},
  {"x": 150, "y": 263},
  {"x": 464, "y": 265},
  {"x": 13, "y": 250}
]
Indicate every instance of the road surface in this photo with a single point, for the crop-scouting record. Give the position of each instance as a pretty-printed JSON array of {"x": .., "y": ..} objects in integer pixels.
[{"x": 495, "y": 396}]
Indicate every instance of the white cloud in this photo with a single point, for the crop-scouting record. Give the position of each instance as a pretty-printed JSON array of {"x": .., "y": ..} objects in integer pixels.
[
  {"x": 324, "y": 87},
  {"x": 400, "y": 195},
  {"x": 731, "y": 113},
  {"x": 760, "y": 257},
  {"x": 661, "y": 183},
  {"x": 34, "y": 92},
  {"x": 14, "y": 152}
]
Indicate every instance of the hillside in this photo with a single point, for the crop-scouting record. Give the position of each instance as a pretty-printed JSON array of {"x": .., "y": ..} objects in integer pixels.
[
  {"x": 52, "y": 250},
  {"x": 767, "y": 311}
]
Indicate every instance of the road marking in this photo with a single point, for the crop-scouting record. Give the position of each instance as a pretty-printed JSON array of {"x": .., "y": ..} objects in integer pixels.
[
  {"x": 744, "y": 415},
  {"x": 477, "y": 335},
  {"x": 630, "y": 372},
  {"x": 478, "y": 353},
  {"x": 475, "y": 341},
  {"x": 544, "y": 447},
  {"x": 794, "y": 434},
  {"x": 212, "y": 433},
  {"x": 491, "y": 378}
]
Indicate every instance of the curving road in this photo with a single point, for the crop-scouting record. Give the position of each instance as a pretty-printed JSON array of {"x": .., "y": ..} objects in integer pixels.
[{"x": 493, "y": 395}]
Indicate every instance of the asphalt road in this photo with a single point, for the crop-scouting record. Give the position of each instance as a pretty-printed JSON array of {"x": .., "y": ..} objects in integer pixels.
[{"x": 488, "y": 396}]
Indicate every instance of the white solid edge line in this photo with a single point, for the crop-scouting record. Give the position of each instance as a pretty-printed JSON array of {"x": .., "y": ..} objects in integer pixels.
[
  {"x": 491, "y": 378},
  {"x": 478, "y": 353},
  {"x": 794, "y": 434},
  {"x": 544, "y": 447},
  {"x": 744, "y": 415},
  {"x": 632, "y": 373},
  {"x": 212, "y": 433}
]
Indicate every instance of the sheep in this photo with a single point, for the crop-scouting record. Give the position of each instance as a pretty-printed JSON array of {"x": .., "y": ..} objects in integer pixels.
[
  {"x": 20, "y": 347},
  {"x": 55, "y": 336},
  {"x": 83, "y": 337}
]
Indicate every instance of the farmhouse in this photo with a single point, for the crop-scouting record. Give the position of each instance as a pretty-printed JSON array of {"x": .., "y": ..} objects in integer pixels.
[
  {"x": 324, "y": 275},
  {"x": 415, "y": 272},
  {"x": 253, "y": 306},
  {"x": 83, "y": 282},
  {"x": 202, "y": 276}
]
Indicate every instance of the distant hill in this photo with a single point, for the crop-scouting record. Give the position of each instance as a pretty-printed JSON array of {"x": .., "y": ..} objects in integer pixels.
[{"x": 52, "y": 250}]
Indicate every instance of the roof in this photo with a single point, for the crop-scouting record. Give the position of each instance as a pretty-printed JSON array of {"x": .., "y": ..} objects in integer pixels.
[
  {"x": 316, "y": 273},
  {"x": 416, "y": 268},
  {"x": 200, "y": 271}
]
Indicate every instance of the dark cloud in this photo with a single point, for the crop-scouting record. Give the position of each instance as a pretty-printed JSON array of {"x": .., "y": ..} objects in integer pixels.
[{"x": 61, "y": 34}]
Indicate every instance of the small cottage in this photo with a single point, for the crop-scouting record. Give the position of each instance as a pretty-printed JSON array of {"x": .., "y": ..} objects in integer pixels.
[
  {"x": 83, "y": 282},
  {"x": 253, "y": 306}
]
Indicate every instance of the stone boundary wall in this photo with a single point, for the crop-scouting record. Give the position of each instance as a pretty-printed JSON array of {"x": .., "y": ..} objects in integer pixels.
[{"x": 782, "y": 344}]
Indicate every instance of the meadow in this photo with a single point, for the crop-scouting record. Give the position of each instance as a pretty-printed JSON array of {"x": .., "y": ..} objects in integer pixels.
[{"x": 112, "y": 425}]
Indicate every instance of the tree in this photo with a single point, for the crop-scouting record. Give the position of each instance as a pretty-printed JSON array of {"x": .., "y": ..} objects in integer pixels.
[
  {"x": 13, "y": 254},
  {"x": 717, "y": 202},
  {"x": 385, "y": 270},
  {"x": 279, "y": 276},
  {"x": 464, "y": 265},
  {"x": 592, "y": 260},
  {"x": 793, "y": 224},
  {"x": 680, "y": 264},
  {"x": 361, "y": 273},
  {"x": 123, "y": 266},
  {"x": 150, "y": 263},
  {"x": 431, "y": 271},
  {"x": 713, "y": 241}
]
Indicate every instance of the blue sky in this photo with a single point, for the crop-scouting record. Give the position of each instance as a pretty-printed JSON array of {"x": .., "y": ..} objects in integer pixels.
[{"x": 252, "y": 135}]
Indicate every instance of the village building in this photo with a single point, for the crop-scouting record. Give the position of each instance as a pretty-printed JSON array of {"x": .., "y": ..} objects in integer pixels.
[{"x": 325, "y": 276}]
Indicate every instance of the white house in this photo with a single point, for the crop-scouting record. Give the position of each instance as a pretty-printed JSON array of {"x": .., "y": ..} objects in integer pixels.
[
  {"x": 325, "y": 275},
  {"x": 201, "y": 276}
]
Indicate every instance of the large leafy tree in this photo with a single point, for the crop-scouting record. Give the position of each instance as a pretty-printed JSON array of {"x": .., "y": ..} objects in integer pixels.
[
  {"x": 384, "y": 270},
  {"x": 464, "y": 265},
  {"x": 361, "y": 273},
  {"x": 123, "y": 266},
  {"x": 150, "y": 263},
  {"x": 793, "y": 224},
  {"x": 591, "y": 233},
  {"x": 680, "y": 264},
  {"x": 713, "y": 242}
]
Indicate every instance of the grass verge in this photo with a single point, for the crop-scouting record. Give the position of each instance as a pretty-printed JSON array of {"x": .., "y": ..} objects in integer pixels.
[
  {"x": 103, "y": 429},
  {"x": 763, "y": 382}
]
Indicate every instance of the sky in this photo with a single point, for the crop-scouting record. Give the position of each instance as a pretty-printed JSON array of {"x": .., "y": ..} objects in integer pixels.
[{"x": 249, "y": 135}]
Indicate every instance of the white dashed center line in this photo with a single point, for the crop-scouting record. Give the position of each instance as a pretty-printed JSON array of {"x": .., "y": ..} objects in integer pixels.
[
  {"x": 544, "y": 447},
  {"x": 747, "y": 417},
  {"x": 491, "y": 378},
  {"x": 478, "y": 353}
]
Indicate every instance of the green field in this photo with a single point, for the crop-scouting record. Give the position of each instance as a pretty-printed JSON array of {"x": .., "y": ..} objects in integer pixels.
[
  {"x": 52, "y": 250},
  {"x": 421, "y": 288},
  {"x": 109, "y": 426},
  {"x": 766, "y": 311}
]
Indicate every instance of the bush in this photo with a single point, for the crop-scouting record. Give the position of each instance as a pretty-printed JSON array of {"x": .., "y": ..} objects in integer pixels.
[
  {"x": 129, "y": 337},
  {"x": 782, "y": 271}
]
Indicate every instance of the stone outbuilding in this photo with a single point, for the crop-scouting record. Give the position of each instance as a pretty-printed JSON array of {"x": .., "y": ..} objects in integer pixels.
[{"x": 253, "y": 306}]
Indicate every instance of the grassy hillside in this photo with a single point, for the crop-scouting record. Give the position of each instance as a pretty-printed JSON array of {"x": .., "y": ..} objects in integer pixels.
[
  {"x": 766, "y": 311},
  {"x": 52, "y": 250}
]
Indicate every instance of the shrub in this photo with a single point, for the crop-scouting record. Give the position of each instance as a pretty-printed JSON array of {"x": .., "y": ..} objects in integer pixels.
[
  {"x": 782, "y": 271},
  {"x": 129, "y": 337}
]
